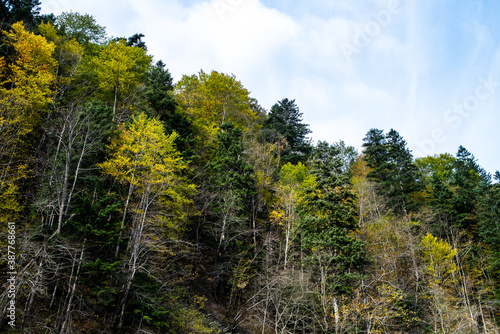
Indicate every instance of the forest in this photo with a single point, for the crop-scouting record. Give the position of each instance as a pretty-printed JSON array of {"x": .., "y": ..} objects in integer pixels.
[{"x": 133, "y": 203}]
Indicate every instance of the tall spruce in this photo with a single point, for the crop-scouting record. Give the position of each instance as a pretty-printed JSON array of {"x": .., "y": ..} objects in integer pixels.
[
  {"x": 392, "y": 168},
  {"x": 161, "y": 100},
  {"x": 466, "y": 179},
  {"x": 286, "y": 119},
  {"x": 333, "y": 255}
]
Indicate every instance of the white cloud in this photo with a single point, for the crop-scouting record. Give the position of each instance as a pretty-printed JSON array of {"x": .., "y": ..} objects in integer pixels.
[
  {"x": 404, "y": 77},
  {"x": 239, "y": 38}
]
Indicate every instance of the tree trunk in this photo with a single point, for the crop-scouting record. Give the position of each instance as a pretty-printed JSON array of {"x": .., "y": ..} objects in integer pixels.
[
  {"x": 71, "y": 294},
  {"x": 130, "y": 189},
  {"x": 77, "y": 171},
  {"x": 135, "y": 243}
]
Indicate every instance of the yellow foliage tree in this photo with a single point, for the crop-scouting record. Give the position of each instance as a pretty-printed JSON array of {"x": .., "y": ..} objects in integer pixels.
[
  {"x": 25, "y": 91},
  {"x": 32, "y": 73},
  {"x": 145, "y": 159},
  {"x": 294, "y": 179},
  {"x": 119, "y": 70},
  {"x": 69, "y": 54},
  {"x": 438, "y": 257},
  {"x": 441, "y": 270},
  {"x": 212, "y": 99}
]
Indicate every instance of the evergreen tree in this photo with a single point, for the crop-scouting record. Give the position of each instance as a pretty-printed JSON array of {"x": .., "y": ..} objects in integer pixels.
[
  {"x": 159, "y": 83},
  {"x": 466, "y": 179},
  {"x": 375, "y": 153},
  {"x": 159, "y": 95},
  {"x": 286, "y": 119},
  {"x": 12, "y": 11},
  {"x": 404, "y": 176},
  {"x": 489, "y": 229},
  {"x": 136, "y": 41},
  {"x": 392, "y": 168},
  {"x": 231, "y": 179},
  {"x": 441, "y": 203},
  {"x": 328, "y": 218},
  {"x": 231, "y": 185}
]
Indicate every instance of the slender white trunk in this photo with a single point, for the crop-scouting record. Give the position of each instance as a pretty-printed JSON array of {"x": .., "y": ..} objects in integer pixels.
[
  {"x": 134, "y": 246},
  {"x": 130, "y": 189},
  {"x": 67, "y": 314},
  {"x": 337, "y": 315},
  {"x": 64, "y": 195},
  {"x": 115, "y": 101},
  {"x": 77, "y": 171}
]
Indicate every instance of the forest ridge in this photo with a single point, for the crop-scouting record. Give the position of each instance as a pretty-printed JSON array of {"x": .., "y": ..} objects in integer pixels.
[{"x": 130, "y": 204}]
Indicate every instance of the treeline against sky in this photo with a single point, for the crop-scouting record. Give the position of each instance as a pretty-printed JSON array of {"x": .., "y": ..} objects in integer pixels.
[{"x": 144, "y": 206}]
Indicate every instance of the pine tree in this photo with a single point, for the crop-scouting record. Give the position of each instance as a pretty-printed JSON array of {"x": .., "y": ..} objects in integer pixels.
[
  {"x": 328, "y": 218},
  {"x": 392, "y": 168},
  {"x": 286, "y": 119},
  {"x": 467, "y": 177},
  {"x": 159, "y": 91},
  {"x": 159, "y": 95}
]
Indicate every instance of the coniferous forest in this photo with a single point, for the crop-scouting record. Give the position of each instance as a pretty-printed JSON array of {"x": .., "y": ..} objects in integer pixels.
[{"x": 130, "y": 204}]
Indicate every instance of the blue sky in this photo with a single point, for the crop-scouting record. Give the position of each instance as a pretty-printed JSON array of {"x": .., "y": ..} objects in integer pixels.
[{"x": 430, "y": 69}]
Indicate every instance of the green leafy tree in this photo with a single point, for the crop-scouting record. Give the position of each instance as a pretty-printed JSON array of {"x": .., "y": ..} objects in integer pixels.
[
  {"x": 441, "y": 272},
  {"x": 289, "y": 192},
  {"x": 69, "y": 54},
  {"x": 439, "y": 259},
  {"x": 82, "y": 27},
  {"x": 442, "y": 165}
]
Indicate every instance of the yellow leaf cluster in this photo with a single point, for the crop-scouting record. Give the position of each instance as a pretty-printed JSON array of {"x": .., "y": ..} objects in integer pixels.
[
  {"x": 68, "y": 52},
  {"x": 119, "y": 70},
  {"x": 26, "y": 88},
  {"x": 146, "y": 159},
  {"x": 438, "y": 257},
  {"x": 32, "y": 74},
  {"x": 212, "y": 99}
]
